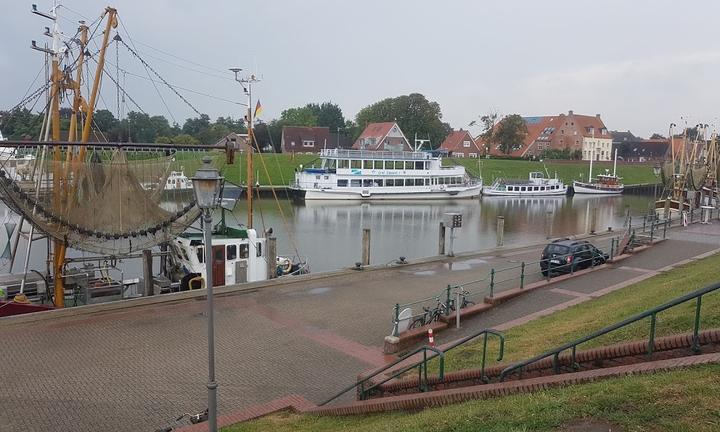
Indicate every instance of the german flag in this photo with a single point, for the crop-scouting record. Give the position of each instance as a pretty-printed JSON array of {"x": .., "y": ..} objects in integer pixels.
[{"x": 258, "y": 109}]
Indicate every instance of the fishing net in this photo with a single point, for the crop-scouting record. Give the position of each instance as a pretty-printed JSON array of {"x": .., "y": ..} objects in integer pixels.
[{"x": 108, "y": 201}]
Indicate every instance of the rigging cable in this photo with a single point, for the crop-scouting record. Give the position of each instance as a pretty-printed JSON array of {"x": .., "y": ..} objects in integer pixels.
[{"x": 147, "y": 72}]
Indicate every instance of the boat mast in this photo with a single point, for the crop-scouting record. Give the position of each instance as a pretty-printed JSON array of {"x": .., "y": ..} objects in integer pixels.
[
  {"x": 615, "y": 164},
  {"x": 592, "y": 157}
]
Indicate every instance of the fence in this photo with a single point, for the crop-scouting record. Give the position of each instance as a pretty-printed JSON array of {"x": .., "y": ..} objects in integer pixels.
[{"x": 518, "y": 276}]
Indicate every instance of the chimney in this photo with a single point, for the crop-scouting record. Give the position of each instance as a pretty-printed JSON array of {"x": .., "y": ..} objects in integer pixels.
[
  {"x": 597, "y": 115},
  {"x": 570, "y": 113}
]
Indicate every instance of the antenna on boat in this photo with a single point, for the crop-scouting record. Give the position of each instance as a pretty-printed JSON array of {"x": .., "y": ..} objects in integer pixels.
[{"x": 419, "y": 143}]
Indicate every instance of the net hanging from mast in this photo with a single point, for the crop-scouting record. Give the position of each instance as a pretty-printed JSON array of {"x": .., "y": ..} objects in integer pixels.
[{"x": 114, "y": 201}]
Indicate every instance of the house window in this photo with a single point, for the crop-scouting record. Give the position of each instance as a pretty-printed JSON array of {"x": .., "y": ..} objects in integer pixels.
[
  {"x": 466, "y": 143},
  {"x": 459, "y": 154},
  {"x": 308, "y": 143},
  {"x": 472, "y": 155}
]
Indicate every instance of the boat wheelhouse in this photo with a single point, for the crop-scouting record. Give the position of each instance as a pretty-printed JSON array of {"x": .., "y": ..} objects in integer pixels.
[
  {"x": 383, "y": 175},
  {"x": 536, "y": 185}
]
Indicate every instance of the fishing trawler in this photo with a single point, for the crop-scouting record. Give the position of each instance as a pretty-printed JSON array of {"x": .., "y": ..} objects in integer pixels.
[
  {"x": 603, "y": 184},
  {"x": 383, "y": 175},
  {"x": 536, "y": 185}
]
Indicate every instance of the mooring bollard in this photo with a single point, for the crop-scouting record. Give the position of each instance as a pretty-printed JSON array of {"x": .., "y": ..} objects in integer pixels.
[
  {"x": 441, "y": 239},
  {"x": 500, "y": 230},
  {"x": 522, "y": 275},
  {"x": 366, "y": 247},
  {"x": 492, "y": 282},
  {"x": 548, "y": 224},
  {"x": 448, "y": 300},
  {"x": 396, "y": 323}
]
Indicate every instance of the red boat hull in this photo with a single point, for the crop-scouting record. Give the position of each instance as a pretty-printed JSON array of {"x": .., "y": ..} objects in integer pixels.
[{"x": 13, "y": 308}]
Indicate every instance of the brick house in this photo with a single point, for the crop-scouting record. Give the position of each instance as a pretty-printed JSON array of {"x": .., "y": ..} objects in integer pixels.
[
  {"x": 570, "y": 131},
  {"x": 382, "y": 136},
  {"x": 301, "y": 139},
  {"x": 460, "y": 144}
]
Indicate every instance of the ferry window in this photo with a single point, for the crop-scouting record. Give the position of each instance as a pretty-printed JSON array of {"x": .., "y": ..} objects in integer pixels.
[
  {"x": 419, "y": 165},
  {"x": 357, "y": 164},
  {"x": 342, "y": 183},
  {"x": 542, "y": 188},
  {"x": 378, "y": 164},
  {"x": 201, "y": 254},
  {"x": 343, "y": 163},
  {"x": 367, "y": 182},
  {"x": 317, "y": 177},
  {"x": 522, "y": 188},
  {"x": 326, "y": 177},
  {"x": 259, "y": 249},
  {"x": 244, "y": 251},
  {"x": 367, "y": 164},
  {"x": 231, "y": 252},
  {"x": 355, "y": 183},
  {"x": 409, "y": 165},
  {"x": 331, "y": 163},
  {"x": 427, "y": 182},
  {"x": 399, "y": 182},
  {"x": 378, "y": 182}
]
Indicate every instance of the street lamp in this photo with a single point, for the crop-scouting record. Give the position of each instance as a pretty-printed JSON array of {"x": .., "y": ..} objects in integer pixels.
[{"x": 208, "y": 185}]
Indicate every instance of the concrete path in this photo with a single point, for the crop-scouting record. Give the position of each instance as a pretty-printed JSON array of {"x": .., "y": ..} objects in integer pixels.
[{"x": 137, "y": 368}]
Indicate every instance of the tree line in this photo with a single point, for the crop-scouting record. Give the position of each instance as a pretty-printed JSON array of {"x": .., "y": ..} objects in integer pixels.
[{"x": 415, "y": 114}]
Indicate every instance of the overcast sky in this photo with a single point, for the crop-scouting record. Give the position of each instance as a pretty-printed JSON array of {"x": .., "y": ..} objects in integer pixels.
[{"x": 640, "y": 64}]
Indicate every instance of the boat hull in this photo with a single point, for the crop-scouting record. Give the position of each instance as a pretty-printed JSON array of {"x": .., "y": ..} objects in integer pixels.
[
  {"x": 495, "y": 192},
  {"x": 378, "y": 195},
  {"x": 588, "y": 188}
]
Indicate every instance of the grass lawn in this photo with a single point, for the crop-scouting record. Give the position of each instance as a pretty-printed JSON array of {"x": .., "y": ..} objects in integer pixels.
[
  {"x": 684, "y": 400},
  {"x": 279, "y": 168},
  {"x": 677, "y": 401}
]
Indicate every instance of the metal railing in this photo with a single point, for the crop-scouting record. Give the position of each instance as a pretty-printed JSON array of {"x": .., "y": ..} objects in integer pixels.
[
  {"x": 518, "y": 275},
  {"x": 366, "y": 385},
  {"x": 650, "y": 313}
]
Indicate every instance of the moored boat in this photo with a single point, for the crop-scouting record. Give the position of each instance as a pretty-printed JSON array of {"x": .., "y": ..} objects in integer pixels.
[
  {"x": 383, "y": 175},
  {"x": 603, "y": 184},
  {"x": 536, "y": 185}
]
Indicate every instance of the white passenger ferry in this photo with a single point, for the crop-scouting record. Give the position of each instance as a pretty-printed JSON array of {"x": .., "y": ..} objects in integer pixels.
[
  {"x": 536, "y": 185},
  {"x": 383, "y": 175}
]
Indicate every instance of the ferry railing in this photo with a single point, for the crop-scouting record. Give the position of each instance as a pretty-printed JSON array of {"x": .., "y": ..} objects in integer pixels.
[
  {"x": 650, "y": 313},
  {"x": 365, "y": 386}
]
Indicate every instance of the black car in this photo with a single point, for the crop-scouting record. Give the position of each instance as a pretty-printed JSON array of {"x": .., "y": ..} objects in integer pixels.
[{"x": 567, "y": 256}]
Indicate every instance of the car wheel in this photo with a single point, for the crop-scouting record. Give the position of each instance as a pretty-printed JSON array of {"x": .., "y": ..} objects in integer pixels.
[{"x": 544, "y": 273}]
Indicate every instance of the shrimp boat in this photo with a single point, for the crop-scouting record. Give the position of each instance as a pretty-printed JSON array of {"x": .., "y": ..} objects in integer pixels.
[
  {"x": 383, "y": 175},
  {"x": 603, "y": 184},
  {"x": 536, "y": 185}
]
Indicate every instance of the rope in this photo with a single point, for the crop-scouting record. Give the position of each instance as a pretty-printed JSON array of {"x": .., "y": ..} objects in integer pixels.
[{"x": 160, "y": 77}]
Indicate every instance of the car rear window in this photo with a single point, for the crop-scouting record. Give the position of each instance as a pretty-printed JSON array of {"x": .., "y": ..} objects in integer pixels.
[{"x": 557, "y": 249}]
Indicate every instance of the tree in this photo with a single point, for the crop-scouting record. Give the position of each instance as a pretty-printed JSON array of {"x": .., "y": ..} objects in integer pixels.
[
  {"x": 104, "y": 120},
  {"x": 414, "y": 114},
  {"x": 301, "y": 116},
  {"x": 510, "y": 133},
  {"x": 328, "y": 114},
  {"x": 20, "y": 124}
]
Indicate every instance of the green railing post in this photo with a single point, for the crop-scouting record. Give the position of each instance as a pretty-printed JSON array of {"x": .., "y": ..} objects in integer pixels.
[
  {"x": 612, "y": 248},
  {"x": 448, "y": 300},
  {"x": 696, "y": 329},
  {"x": 396, "y": 323},
  {"x": 482, "y": 365},
  {"x": 492, "y": 282},
  {"x": 651, "y": 342},
  {"x": 556, "y": 362},
  {"x": 522, "y": 275},
  {"x": 423, "y": 368},
  {"x": 652, "y": 231},
  {"x": 644, "y": 222}
]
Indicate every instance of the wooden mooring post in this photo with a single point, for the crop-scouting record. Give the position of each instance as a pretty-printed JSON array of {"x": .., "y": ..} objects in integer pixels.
[
  {"x": 593, "y": 220},
  {"x": 147, "y": 273},
  {"x": 548, "y": 224},
  {"x": 500, "y": 230},
  {"x": 271, "y": 257},
  {"x": 441, "y": 239},
  {"x": 366, "y": 247}
]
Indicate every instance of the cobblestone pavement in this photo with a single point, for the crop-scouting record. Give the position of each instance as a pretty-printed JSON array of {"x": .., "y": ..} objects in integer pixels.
[{"x": 135, "y": 369}]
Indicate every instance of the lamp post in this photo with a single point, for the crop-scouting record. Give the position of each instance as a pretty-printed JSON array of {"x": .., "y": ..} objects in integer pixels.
[{"x": 207, "y": 185}]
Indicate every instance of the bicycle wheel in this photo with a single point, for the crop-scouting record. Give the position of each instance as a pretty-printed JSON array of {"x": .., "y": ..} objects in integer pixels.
[{"x": 417, "y": 322}]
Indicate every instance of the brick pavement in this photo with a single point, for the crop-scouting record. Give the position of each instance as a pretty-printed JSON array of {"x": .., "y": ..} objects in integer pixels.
[{"x": 136, "y": 369}]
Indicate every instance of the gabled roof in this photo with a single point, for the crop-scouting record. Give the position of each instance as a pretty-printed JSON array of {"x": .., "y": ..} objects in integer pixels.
[
  {"x": 588, "y": 124},
  {"x": 378, "y": 132},
  {"x": 454, "y": 142}
]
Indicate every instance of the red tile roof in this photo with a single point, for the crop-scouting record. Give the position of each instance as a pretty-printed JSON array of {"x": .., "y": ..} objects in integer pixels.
[
  {"x": 378, "y": 132},
  {"x": 297, "y": 134},
  {"x": 454, "y": 142}
]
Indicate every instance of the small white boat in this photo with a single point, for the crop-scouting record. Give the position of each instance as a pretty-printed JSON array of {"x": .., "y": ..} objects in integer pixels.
[
  {"x": 383, "y": 175},
  {"x": 176, "y": 181},
  {"x": 603, "y": 184},
  {"x": 536, "y": 185}
]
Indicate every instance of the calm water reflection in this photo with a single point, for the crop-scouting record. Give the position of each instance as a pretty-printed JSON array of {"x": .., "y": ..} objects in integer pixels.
[{"x": 329, "y": 233}]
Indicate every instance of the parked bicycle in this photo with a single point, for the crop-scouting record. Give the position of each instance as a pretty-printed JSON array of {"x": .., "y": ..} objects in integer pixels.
[
  {"x": 464, "y": 302},
  {"x": 430, "y": 315}
]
